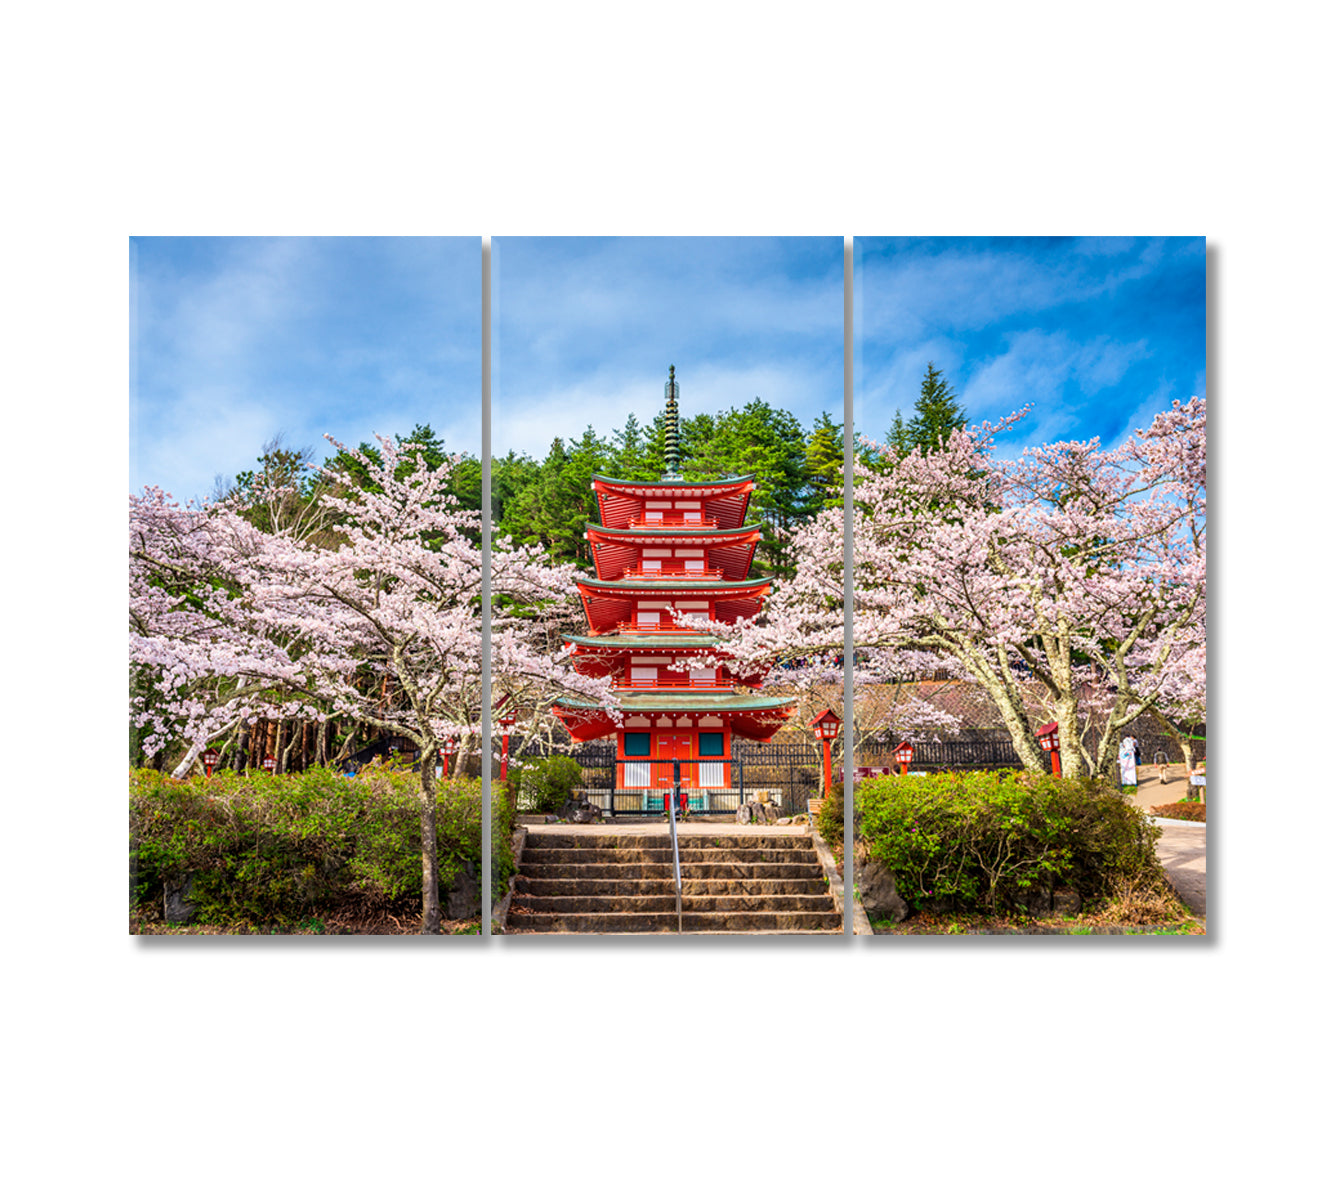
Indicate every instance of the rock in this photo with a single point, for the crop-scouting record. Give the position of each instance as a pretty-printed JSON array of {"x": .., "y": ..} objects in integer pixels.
[
  {"x": 1038, "y": 902},
  {"x": 178, "y": 905},
  {"x": 586, "y": 815},
  {"x": 464, "y": 898},
  {"x": 785, "y": 820},
  {"x": 878, "y": 890},
  {"x": 1065, "y": 903}
]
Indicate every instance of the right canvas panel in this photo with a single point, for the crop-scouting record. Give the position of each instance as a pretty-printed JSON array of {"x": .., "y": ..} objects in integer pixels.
[{"x": 1030, "y": 602}]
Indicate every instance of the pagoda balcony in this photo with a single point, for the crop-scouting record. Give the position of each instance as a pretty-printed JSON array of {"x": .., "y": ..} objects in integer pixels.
[
  {"x": 655, "y": 627},
  {"x": 698, "y": 523},
  {"x": 705, "y": 573},
  {"x": 676, "y": 683}
]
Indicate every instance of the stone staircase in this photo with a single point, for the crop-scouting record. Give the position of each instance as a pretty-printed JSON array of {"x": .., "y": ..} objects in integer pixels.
[{"x": 609, "y": 882}]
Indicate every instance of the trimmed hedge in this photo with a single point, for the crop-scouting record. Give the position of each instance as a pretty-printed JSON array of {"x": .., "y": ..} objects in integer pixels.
[
  {"x": 829, "y": 820},
  {"x": 984, "y": 841},
  {"x": 263, "y": 848},
  {"x": 546, "y": 785}
]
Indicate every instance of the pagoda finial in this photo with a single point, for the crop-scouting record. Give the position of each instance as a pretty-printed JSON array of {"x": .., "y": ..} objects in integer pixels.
[{"x": 673, "y": 434}]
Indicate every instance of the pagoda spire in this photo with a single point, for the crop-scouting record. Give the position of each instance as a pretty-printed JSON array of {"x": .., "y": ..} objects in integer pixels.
[{"x": 673, "y": 434}]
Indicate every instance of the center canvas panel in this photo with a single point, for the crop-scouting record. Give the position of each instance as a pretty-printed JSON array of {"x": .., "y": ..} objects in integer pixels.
[{"x": 661, "y": 438}]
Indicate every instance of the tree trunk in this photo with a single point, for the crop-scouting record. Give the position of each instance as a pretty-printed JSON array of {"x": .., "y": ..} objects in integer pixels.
[
  {"x": 242, "y": 746},
  {"x": 1188, "y": 753},
  {"x": 430, "y": 855}
]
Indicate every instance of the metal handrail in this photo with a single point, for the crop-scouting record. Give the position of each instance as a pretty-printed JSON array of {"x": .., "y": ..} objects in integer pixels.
[{"x": 676, "y": 846}]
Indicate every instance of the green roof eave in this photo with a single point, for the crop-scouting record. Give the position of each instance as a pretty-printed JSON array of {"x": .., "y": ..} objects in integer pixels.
[
  {"x": 674, "y": 583},
  {"x": 643, "y": 531},
  {"x": 652, "y": 700},
  {"x": 727, "y": 480},
  {"x": 646, "y": 641}
]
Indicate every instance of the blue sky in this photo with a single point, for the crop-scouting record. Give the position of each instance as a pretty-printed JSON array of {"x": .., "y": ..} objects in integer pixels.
[
  {"x": 1098, "y": 334},
  {"x": 585, "y": 329},
  {"x": 235, "y": 340}
]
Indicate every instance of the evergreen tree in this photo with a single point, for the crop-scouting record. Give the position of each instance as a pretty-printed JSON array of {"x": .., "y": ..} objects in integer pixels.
[
  {"x": 630, "y": 451},
  {"x": 936, "y": 414},
  {"x": 824, "y": 463},
  {"x": 898, "y": 438}
]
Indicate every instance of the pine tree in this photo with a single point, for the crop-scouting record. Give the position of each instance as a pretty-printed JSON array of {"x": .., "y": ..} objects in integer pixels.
[
  {"x": 936, "y": 414},
  {"x": 824, "y": 463},
  {"x": 898, "y": 436}
]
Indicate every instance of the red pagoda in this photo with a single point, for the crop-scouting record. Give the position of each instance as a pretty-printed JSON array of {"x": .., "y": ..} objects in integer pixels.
[{"x": 665, "y": 546}]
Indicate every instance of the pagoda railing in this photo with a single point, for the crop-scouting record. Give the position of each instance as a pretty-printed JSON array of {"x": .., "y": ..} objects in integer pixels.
[
  {"x": 640, "y": 524},
  {"x": 676, "y": 683},
  {"x": 640, "y": 573},
  {"x": 661, "y": 627}
]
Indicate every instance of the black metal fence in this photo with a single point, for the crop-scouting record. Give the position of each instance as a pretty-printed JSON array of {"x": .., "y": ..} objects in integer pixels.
[
  {"x": 993, "y": 752},
  {"x": 790, "y": 776},
  {"x": 785, "y": 776}
]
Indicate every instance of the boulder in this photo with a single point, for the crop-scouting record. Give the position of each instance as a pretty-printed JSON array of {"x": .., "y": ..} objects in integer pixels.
[
  {"x": 178, "y": 904},
  {"x": 464, "y": 898},
  {"x": 877, "y": 889}
]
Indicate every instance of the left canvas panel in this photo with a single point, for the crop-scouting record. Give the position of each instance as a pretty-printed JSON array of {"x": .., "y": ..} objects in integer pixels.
[{"x": 305, "y": 641}]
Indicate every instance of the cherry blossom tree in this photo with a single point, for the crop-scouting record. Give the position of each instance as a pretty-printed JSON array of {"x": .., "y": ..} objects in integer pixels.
[
  {"x": 1069, "y": 583},
  {"x": 230, "y": 622}
]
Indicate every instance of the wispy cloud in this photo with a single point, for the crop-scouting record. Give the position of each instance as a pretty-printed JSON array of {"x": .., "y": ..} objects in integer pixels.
[
  {"x": 238, "y": 339},
  {"x": 1089, "y": 331},
  {"x": 585, "y": 330}
]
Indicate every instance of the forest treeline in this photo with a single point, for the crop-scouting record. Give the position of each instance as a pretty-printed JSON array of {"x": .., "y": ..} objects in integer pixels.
[
  {"x": 798, "y": 471},
  {"x": 547, "y": 502}
]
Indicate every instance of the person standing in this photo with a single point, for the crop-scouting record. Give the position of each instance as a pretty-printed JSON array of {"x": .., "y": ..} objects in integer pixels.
[{"x": 1127, "y": 758}]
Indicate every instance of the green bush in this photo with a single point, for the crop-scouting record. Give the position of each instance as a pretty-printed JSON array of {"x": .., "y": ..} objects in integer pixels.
[
  {"x": 830, "y": 819},
  {"x": 263, "y": 848},
  {"x": 546, "y": 785},
  {"x": 502, "y": 845},
  {"x": 988, "y": 841}
]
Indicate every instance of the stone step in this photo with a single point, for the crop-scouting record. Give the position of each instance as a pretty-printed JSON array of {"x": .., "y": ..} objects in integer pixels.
[
  {"x": 660, "y": 841},
  {"x": 623, "y": 883},
  {"x": 693, "y": 855},
  {"x": 812, "y": 885},
  {"x": 695, "y": 922},
  {"x": 657, "y": 903},
  {"x": 716, "y": 870}
]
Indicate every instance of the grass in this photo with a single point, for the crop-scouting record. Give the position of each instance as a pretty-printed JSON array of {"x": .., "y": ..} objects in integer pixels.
[
  {"x": 929, "y": 925},
  {"x": 146, "y": 924}
]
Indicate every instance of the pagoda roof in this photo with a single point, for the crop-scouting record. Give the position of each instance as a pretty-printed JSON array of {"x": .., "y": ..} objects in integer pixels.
[
  {"x": 655, "y": 486},
  {"x": 670, "y": 585},
  {"x": 645, "y": 641},
  {"x": 651, "y": 534},
  {"x": 652, "y": 701},
  {"x": 753, "y": 717}
]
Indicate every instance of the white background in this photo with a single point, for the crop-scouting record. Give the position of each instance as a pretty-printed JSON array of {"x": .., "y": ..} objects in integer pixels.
[{"x": 1008, "y": 1067}]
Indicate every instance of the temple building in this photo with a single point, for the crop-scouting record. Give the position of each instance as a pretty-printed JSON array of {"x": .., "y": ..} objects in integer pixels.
[{"x": 665, "y": 546}]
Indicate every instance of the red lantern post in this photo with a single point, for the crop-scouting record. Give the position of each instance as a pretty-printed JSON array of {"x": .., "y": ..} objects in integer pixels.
[
  {"x": 270, "y": 764},
  {"x": 903, "y": 753},
  {"x": 1049, "y": 739},
  {"x": 506, "y": 721},
  {"x": 826, "y": 729},
  {"x": 445, "y": 751},
  {"x": 210, "y": 760}
]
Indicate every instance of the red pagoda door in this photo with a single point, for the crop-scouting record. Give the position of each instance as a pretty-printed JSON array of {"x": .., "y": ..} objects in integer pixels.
[{"x": 667, "y": 746}]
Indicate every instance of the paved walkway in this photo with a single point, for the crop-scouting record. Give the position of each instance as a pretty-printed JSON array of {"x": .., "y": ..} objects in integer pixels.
[{"x": 1181, "y": 849}]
